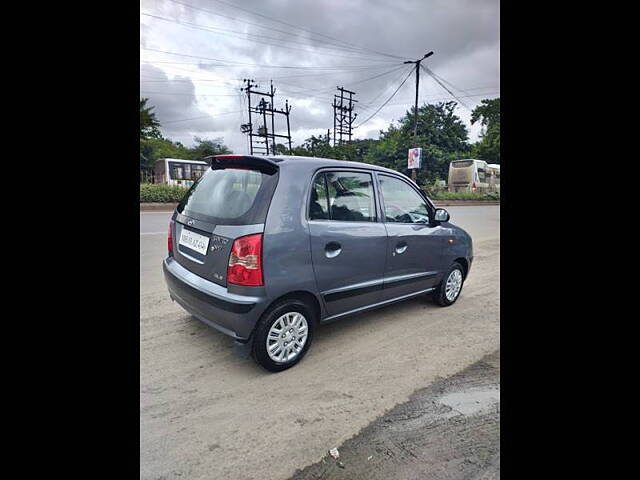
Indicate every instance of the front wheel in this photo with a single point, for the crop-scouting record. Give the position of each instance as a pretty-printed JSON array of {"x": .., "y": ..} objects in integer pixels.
[
  {"x": 449, "y": 289},
  {"x": 283, "y": 335}
]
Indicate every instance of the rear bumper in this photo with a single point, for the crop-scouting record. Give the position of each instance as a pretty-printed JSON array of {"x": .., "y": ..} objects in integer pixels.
[{"x": 233, "y": 315}]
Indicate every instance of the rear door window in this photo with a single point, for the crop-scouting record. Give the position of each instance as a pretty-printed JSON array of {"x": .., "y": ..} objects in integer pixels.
[
  {"x": 343, "y": 196},
  {"x": 230, "y": 196},
  {"x": 319, "y": 206}
]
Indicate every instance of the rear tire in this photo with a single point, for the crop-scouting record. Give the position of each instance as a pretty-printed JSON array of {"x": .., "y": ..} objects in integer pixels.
[
  {"x": 280, "y": 338},
  {"x": 450, "y": 286}
]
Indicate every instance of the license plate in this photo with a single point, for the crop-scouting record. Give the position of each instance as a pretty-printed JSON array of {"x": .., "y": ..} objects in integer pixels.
[{"x": 194, "y": 241}]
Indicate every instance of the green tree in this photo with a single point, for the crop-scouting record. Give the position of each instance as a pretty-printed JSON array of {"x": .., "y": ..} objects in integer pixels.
[
  {"x": 149, "y": 124},
  {"x": 315, "y": 147},
  {"x": 488, "y": 113},
  {"x": 441, "y": 134},
  {"x": 282, "y": 149},
  {"x": 151, "y": 149},
  {"x": 321, "y": 147},
  {"x": 204, "y": 148}
]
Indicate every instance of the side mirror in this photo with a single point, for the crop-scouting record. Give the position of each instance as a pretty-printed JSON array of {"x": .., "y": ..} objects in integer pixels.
[{"x": 441, "y": 215}]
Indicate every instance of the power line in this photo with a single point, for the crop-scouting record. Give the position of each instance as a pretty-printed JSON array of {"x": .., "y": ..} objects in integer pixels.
[
  {"x": 346, "y": 68},
  {"x": 377, "y": 76},
  {"x": 191, "y": 94},
  {"x": 180, "y": 80},
  {"x": 190, "y": 71},
  {"x": 295, "y": 93},
  {"x": 444, "y": 86},
  {"x": 464, "y": 90},
  {"x": 368, "y": 104},
  {"x": 331, "y": 89},
  {"x": 198, "y": 118},
  {"x": 232, "y": 62},
  {"x": 386, "y": 101},
  {"x": 304, "y": 75},
  {"x": 306, "y": 30},
  {"x": 350, "y": 82},
  {"x": 365, "y": 106},
  {"x": 436, "y": 98},
  {"x": 270, "y": 28},
  {"x": 304, "y": 93},
  {"x": 245, "y": 35},
  {"x": 433, "y": 74}
]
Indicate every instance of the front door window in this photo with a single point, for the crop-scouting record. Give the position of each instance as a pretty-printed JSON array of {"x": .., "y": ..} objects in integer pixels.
[{"x": 402, "y": 204}]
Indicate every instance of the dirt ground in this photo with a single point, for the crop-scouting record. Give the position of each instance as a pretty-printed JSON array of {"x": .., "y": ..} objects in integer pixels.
[
  {"x": 450, "y": 429},
  {"x": 206, "y": 413}
]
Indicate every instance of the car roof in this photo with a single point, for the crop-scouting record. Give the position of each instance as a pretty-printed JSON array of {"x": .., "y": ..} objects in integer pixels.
[{"x": 319, "y": 162}]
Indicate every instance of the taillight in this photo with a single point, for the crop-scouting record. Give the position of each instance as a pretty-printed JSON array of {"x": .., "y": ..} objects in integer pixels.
[
  {"x": 170, "y": 237},
  {"x": 245, "y": 262}
]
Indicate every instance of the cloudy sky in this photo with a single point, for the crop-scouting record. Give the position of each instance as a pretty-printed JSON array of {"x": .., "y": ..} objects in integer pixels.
[{"x": 195, "y": 53}]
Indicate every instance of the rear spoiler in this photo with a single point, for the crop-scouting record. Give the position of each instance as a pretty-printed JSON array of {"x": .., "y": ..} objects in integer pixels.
[{"x": 263, "y": 164}]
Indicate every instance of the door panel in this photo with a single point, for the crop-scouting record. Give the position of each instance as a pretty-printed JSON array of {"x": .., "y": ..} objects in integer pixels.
[
  {"x": 414, "y": 248},
  {"x": 412, "y": 259},
  {"x": 348, "y": 244},
  {"x": 348, "y": 261}
]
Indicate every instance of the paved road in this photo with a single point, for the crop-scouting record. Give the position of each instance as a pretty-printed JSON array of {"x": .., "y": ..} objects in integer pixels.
[{"x": 205, "y": 413}]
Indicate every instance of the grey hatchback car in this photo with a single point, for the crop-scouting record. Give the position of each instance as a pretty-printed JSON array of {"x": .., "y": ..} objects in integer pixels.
[{"x": 265, "y": 249}]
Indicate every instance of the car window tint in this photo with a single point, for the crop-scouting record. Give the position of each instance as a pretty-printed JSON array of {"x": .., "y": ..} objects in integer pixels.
[
  {"x": 351, "y": 196},
  {"x": 319, "y": 206},
  {"x": 402, "y": 204}
]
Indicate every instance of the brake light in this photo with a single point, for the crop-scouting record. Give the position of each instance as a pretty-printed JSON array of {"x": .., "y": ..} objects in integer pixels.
[
  {"x": 170, "y": 237},
  {"x": 245, "y": 262}
]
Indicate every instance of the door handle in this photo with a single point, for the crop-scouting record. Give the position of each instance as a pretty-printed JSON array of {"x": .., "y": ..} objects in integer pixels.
[
  {"x": 401, "y": 247},
  {"x": 332, "y": 249}
]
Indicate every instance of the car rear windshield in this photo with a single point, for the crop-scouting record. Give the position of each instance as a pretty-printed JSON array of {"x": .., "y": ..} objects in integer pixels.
[
  {"x": 230, "y": 196},
  {"x": 466, "y": 163}
]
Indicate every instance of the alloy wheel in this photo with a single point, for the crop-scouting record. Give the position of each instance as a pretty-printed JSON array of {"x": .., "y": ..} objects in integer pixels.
[{"x": 287, "y": 337}]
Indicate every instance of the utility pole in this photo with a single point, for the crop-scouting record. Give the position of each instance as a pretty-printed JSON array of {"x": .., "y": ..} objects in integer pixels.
[
  {"x": 414, "y": 175},
  {"x": 343, "y": 116},
  {"x": 266, "y": 110}
]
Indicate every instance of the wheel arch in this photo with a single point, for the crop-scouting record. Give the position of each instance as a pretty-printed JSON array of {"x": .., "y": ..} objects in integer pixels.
[
  {"x": 465, "y": 266},
  {"x": 303, "y": 295}
]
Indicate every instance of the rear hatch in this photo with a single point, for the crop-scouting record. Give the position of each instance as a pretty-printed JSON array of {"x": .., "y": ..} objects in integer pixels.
[{"x": 229, "y": 201}]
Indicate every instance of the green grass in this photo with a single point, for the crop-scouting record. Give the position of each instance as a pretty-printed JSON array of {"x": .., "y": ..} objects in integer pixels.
[
  {"x": 464, "y": 196},
  {"x": 159, "y": 193}
]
